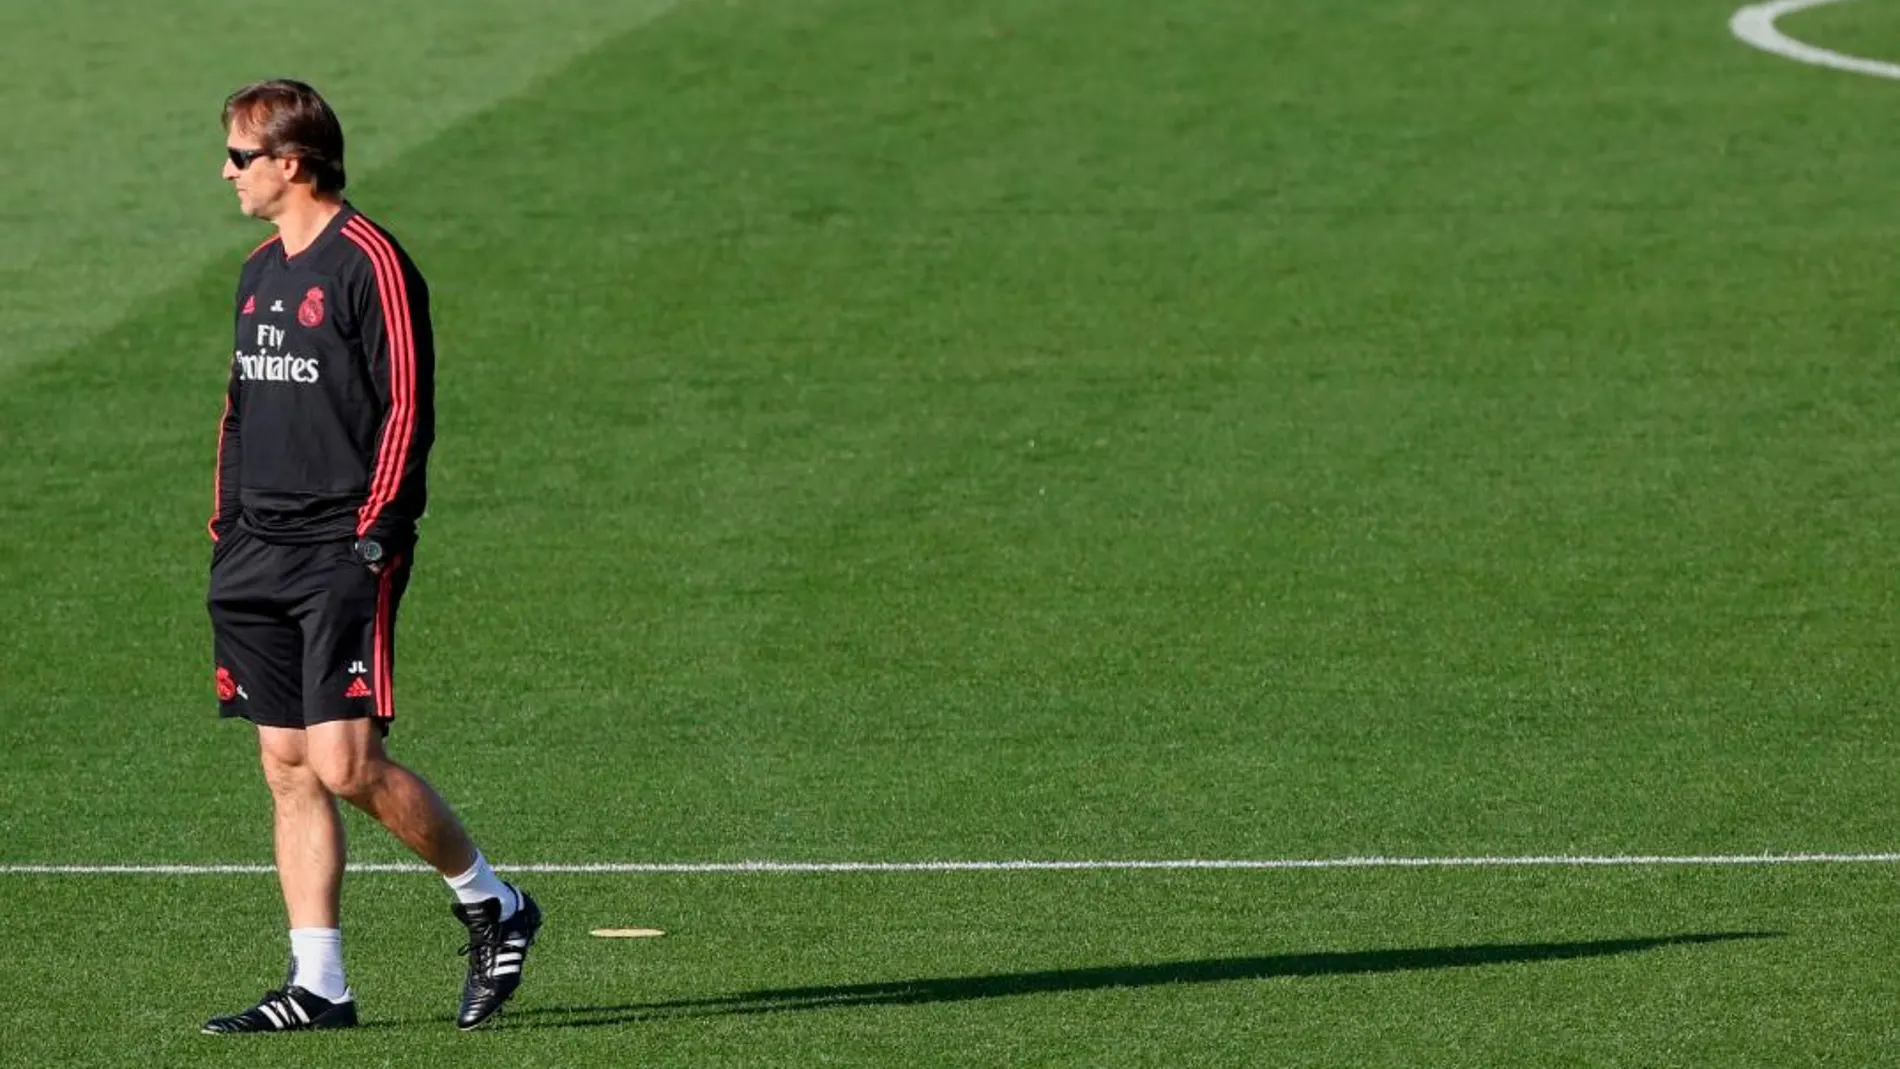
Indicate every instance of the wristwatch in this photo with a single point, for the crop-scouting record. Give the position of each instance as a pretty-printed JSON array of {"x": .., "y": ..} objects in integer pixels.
[{"x": 367, "y": 550}]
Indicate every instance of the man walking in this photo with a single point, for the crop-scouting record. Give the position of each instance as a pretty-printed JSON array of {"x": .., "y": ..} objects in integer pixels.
[{"x": 320, "y": 480}]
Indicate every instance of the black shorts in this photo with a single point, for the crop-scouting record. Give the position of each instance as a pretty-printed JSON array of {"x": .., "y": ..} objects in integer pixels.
[{"x": 303, "y": 634}]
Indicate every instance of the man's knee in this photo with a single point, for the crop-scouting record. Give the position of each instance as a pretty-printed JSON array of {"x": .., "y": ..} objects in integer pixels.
[
  {"x": 347, "y": 758},
  {"x": 354, "y": 780},
  {"x": 286, "y": 763}
]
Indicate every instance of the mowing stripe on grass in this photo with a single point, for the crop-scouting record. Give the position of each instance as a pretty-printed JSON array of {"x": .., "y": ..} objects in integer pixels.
[
  {"x": 424, "y": 78},
  {"x": 1755, "y": 26},
  {"x": 771, "y": 867}
]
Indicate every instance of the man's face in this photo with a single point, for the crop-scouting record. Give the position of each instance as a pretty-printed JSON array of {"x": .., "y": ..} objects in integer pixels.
[{"x": 260, "y": 181}]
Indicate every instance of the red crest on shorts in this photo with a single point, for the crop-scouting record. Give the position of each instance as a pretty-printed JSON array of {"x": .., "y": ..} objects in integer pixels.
[
  {"x": 310, "y": 312},
  {"x": 227, "y": 687}
]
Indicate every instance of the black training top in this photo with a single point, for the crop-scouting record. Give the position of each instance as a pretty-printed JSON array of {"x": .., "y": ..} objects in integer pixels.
[{"x": 331, "y": 408}]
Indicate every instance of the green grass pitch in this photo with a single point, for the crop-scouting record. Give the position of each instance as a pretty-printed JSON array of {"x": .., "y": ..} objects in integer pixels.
[{"x": 990, "y": 429}]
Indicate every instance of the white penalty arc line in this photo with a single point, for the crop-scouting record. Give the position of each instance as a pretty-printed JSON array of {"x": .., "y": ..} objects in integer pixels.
[
  {"x": 1166, "y": 865},
  {"x": 1755, "y": 26}
]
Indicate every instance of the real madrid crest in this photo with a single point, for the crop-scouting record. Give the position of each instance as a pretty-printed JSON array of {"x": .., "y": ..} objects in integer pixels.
[{"x": 310, "y": 312}]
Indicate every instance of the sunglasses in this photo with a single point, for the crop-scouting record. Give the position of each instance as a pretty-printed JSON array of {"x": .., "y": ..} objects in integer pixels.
[{"x": 244, "y": 157}]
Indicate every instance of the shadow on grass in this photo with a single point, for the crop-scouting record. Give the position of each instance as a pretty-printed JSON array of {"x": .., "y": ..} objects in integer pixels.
[{"x": 1004, "y": 985}]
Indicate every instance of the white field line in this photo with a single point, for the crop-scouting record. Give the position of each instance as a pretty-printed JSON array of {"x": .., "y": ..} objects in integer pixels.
[
  {"x": 1755, "y": 25},
  {"x": 788, "y": 867}
]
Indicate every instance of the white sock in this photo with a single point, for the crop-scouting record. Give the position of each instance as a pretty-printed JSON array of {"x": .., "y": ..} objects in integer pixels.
[
  {"x": 479, "y": 884},
  {"x": 318, "y": 953}
]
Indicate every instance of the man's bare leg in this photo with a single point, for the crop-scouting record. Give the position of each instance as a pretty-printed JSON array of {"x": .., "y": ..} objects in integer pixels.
[
  {"x": 307, "y": 832},
  {"x": 348, "y": 759}
]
